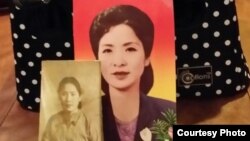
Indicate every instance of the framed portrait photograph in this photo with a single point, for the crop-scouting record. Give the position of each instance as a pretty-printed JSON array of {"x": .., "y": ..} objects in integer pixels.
[
  {"x": 134, "y": 42},
  {"x": 70, "y": 101}
]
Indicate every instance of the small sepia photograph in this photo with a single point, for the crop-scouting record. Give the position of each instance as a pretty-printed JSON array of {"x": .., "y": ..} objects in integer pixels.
[{"x": 70, "y": 107}]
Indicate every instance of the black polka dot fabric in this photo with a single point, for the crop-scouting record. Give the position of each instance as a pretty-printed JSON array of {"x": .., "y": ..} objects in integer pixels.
[
  {"x": 39, "y": 32},
  {"x": 209, "y": 58}
]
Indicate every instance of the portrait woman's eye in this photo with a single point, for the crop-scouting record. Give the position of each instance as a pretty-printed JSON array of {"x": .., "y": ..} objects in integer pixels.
[
  {"x": 107, "y": 50},
  {"x": 131, "y": 49},
  {"x": 73, "y": 93},
  {"x": 63, "y": 93}
]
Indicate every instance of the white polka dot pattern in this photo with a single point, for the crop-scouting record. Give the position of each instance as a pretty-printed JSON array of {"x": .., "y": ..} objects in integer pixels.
[
  {"x": 226, "y": 22},
  {"x": 22, "y": 26},
  {"x": 34, "y": 42},
  {"x": 46, "y": 45},
  {"x": 218, "y": 73},
  {"x": 17, "y": 80},
  {"x": 11, "y": 16},
  {"x": 29, "y": 107},
  {"x": 206, "y": 45},
  {"x": 195, "y": 55},
  {"x": 23, "y": 73},
  {"x": 216, "y": 34},
  {"x": 217, "y": 53},
  {"x": 195, "y": 36},
  {"x": 226, "y": 2},
  {"x": 184, "y": 46},
  {"x": 212, "y": 42},
  {"x": 208, "y": 85},
  {"x": 17, "y": 8},
  {"x": 33, "y": 37},
  {"x": 15, "y": 35},
  {"x": 38, "y": 54},
  {"x": 197, "y": 93},
  {"x": 34, "y": 82},
  {"x": 206, "y": 4},
  {"x": 26, "y": 45},
  {"x": 177, "y": 95},
  {"x": 30, "y": 64},
  {"x": 58, "y": 54},
  {"x": 234, "y": 18},
  {"x": 205, "y": 25},
  {"x": 216, "y": 13},
  {"x": 228, "y": 62},
  {"x": 67, "y": 44},
  {"x": 26, "y": 90},
  {"x": 227, "y": 42},
  {"x": 20, "y": 98},
  {"x": 37, "y": 100},
  {"x": 218, "y": 92},
  {"x": 19, "y": 55},
  {"x": 228, "y": 81},
  {"x": 207, "y": 64}
]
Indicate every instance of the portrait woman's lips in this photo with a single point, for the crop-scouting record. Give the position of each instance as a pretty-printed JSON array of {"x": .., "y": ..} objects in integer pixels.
[
  {"x": 67, "y": 105},
  {"x": 120, "y": 75}
]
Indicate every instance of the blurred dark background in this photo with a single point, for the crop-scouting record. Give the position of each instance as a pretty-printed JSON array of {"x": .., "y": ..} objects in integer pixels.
[{"x": 4, "y": 5}]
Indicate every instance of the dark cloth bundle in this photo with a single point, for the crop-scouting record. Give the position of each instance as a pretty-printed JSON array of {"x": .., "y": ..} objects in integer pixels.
[
  {"x": 210, "y": 61},
  {"x": 40, "y": 31}
]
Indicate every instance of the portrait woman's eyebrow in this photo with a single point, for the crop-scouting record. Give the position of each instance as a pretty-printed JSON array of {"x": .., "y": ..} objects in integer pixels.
[
  {"x": 122, "y": 38},
  {"x": 69, "y": 124}
]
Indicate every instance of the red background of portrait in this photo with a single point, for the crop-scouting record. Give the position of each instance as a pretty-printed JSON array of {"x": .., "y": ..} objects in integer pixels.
[{"x": 163, "y": 53}]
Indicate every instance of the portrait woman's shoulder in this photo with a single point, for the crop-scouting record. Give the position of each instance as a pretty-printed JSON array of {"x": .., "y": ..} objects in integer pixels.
[{"x": 161, "y": 104}]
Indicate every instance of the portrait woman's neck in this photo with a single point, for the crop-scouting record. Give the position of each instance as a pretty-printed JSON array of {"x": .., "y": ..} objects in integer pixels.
[
  {"x": 125, "y": 103},
  {"x": 69, "y": 114}
]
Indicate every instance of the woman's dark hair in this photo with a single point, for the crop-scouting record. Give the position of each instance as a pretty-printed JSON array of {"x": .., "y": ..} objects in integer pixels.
[
  {"x": 141, "y": 25},
  {"x": 71, "y": 80}
]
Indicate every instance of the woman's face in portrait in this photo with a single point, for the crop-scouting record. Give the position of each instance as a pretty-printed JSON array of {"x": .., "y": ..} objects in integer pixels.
[
  {"x": 122, "y": 57},
  {"x": 69, "y": 97}
]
